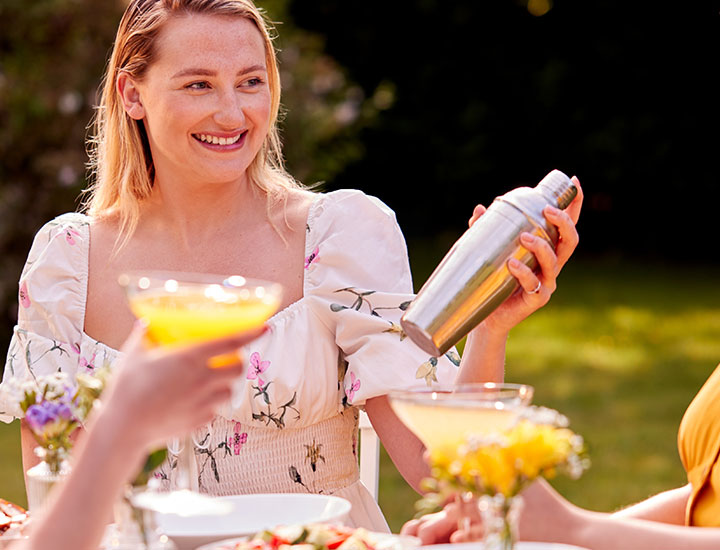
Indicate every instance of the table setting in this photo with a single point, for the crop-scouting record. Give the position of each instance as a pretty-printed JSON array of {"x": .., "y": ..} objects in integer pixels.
[{"x": 485, "y": 443}]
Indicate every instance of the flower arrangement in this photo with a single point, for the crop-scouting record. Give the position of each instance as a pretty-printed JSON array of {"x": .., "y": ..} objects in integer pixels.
[
  {"x": 496, "y": 467},
  {"x": 54, "y": 407}
]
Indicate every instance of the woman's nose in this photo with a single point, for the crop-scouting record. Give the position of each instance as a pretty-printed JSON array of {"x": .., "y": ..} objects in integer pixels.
[{"x": 229, "y": 112}]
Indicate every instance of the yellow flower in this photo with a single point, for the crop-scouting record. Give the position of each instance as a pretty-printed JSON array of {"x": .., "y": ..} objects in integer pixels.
[{"x": 504, "y": 463}]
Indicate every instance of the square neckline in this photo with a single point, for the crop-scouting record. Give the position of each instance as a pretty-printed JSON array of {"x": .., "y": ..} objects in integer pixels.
[{"x": 281, "y": 314}]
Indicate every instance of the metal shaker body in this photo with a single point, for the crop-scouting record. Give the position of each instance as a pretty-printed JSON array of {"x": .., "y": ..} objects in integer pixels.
[{"x": 473, "y": 279}]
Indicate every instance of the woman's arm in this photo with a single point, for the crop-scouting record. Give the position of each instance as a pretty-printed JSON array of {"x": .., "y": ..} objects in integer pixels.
[
  {"x": 666, "y": 507},
  {"x": 549, "y": 517},
  {"x": 154, "y": 395},
  {"x": 403, "y": 447}
]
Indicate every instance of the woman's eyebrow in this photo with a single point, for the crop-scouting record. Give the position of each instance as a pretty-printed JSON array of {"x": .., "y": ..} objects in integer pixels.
[{"x": 192, "y": 71}]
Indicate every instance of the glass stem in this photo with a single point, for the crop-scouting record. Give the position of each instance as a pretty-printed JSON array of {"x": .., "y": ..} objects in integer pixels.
[{"x": 186, "y": 466}]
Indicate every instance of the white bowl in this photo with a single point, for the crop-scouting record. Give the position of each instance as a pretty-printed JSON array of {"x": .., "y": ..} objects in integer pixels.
[
  {"x": 250, "y": 514},
  {"x": 382, "y": 541}
]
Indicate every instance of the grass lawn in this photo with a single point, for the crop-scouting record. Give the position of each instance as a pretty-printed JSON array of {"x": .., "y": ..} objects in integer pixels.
[{"x": 620, "y": 349}]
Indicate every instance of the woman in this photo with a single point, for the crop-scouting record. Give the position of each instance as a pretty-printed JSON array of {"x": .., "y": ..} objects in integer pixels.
[{"x": 189, "y": 177}]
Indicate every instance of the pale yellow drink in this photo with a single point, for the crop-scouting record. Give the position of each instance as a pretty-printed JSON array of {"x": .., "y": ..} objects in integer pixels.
[{"x": 443, "y": 426}]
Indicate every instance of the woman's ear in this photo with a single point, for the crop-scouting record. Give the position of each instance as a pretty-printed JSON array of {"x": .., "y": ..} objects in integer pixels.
[{"x": 130, "y": 96}]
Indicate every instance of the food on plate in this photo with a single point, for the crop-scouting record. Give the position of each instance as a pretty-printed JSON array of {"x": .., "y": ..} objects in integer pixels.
[
  {"x": 12, "y": 518},
  {"x": 314, "y": 536}
]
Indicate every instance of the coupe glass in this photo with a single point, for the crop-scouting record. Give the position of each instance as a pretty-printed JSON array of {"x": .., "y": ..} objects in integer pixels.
[
  {"x": 444, "y": 417},
  {"x": 182, "y": 308}
]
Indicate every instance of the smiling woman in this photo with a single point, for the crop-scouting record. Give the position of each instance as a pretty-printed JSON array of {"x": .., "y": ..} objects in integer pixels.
[
  {"x": 189, "y": 177},
  {"x": 220, "y": 99}
]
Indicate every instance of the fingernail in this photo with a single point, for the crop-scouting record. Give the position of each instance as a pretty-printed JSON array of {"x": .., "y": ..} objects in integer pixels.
[
  {"x": 514, "y": 262},
  {"x": 552, "y": 210},
  {"x": 527, "y": 238}
]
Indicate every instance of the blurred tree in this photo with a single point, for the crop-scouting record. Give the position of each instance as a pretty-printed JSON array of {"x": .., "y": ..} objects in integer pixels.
[
  {"x": 494, "y": 94},
  {"x": 52, "y": 56}
]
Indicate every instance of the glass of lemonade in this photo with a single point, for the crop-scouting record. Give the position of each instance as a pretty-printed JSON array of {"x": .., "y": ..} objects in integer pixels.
[
  {"x": 444, "y": 417},
  {"x": 183, "y": 308}
]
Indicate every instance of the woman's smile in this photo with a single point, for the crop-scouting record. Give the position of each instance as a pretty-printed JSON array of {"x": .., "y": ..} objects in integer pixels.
[{"x": 221, "y": 142}]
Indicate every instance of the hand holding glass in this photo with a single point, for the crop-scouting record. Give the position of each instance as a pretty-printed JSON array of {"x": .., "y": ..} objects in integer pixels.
[{"x": 184, "y": 308}]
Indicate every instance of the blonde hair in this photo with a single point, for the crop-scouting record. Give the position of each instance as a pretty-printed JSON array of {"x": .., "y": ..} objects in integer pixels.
[{"x": 120, "y": 157}]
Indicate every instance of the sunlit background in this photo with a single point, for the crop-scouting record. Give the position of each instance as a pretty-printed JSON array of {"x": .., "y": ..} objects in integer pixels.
[{"x": 434, "y": 106}]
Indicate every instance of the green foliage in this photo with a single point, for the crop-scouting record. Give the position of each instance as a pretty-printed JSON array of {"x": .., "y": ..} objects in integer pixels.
[
  {"x": 152, "y": 462},
  {"x": 52, "y": 54}
]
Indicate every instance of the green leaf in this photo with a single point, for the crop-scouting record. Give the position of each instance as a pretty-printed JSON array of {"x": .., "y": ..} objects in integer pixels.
[{"x": 152, "y": 462}]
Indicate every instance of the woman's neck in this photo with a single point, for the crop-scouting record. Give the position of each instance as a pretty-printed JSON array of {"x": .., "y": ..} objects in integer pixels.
[{"x": 191, "y": 216}]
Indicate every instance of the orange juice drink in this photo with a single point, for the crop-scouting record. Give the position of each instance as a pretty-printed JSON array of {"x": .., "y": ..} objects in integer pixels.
[{"x": 202, "y": 313}]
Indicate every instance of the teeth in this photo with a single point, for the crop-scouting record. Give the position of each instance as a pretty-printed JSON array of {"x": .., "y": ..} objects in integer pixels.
[{"x": 218, "y": 140}]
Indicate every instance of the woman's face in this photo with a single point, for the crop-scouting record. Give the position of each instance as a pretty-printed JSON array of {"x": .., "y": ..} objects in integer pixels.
[{"x": 205, "y": 100}]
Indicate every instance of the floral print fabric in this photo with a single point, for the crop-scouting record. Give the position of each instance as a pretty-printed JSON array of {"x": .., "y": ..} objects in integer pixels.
[{"x": 323, "y": 356}]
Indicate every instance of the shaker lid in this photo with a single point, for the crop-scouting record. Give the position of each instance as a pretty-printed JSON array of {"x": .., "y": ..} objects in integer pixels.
[{"x": 558, "y": 188}]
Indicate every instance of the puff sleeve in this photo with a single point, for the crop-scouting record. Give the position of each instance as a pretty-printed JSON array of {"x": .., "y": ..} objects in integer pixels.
[
  {"x": 359, "y": 274},
  {"x": 48, "y": 336}
]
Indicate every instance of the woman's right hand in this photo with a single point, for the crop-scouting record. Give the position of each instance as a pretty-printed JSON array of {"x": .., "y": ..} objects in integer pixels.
[{"x": 165, "y": 393}]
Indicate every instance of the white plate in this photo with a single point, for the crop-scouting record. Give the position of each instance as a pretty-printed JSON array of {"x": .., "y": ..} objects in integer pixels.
[
  {"x": 518, "y": 546},
  {"x": 383, "y": 541},
  {"x": 250, "y": 514}
]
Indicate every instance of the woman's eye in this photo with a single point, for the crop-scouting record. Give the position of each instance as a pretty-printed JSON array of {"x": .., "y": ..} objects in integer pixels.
[
  {"x": 252, "y": 82},
  {"x": 198, "y": 86}
]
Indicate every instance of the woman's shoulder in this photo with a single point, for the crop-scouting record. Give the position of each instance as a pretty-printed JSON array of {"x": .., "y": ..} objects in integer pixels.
[
  {"x": 354, "y": 240},
  {"x": 62, "y": 239},
  {"x": 53, "y": 282},
  {"x": 350, "y": 207}
]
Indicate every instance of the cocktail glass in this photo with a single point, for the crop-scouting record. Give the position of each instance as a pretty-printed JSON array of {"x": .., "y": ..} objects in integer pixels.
[
  {"x": 443, "y": 418},
  {"x": 183, "y": 308}
]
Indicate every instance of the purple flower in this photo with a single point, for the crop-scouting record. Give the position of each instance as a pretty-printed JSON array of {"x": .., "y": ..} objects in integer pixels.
[
  {"x": 62, "y": 411},
  {"x": 41, "y": 414},
  {"x": 37, "y": 416}
]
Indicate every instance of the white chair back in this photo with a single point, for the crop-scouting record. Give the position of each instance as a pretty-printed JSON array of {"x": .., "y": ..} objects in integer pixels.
[{"x": 369, "y": 455}]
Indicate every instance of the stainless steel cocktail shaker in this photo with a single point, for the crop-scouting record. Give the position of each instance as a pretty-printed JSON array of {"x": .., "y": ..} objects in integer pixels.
[{"x": 473, "y": 279}]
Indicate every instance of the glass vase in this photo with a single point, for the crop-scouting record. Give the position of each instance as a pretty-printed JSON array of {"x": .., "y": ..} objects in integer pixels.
[
  {"x": 41, "y": 478},
  {"x": 134, "y": 529},
  {"x": 500, "y": 517}
]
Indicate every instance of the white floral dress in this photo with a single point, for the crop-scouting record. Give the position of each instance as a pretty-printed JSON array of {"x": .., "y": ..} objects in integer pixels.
[{"x": 292, "y": 426}]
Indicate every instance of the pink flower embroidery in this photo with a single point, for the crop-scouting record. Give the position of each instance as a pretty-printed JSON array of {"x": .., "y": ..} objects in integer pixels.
[
  {"x": 312, "y": 257},
  {"x": 70, "y": 235},
  {"x": 354, "y": 386},
  {"x": 88, "y": 365},
  {"x": 236, "y": 441},
  {"x": 24, "y": 298},
  {"x": 75, "y": 347},
  {"x": 257, "y": 366}
]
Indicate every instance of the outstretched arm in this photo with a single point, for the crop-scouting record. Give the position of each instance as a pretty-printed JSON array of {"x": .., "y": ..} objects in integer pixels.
[
  {"x": 666, "y": 507},
  {"x": 156, "y": 394},
  {"x": 549, "y": 517}
]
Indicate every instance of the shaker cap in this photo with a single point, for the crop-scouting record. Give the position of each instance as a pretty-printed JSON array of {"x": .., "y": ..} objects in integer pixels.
[{"x": 558, "y": 189}]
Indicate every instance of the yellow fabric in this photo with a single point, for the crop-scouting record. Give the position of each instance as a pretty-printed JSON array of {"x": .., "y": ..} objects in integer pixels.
[{"x": 699, "y": 444}]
